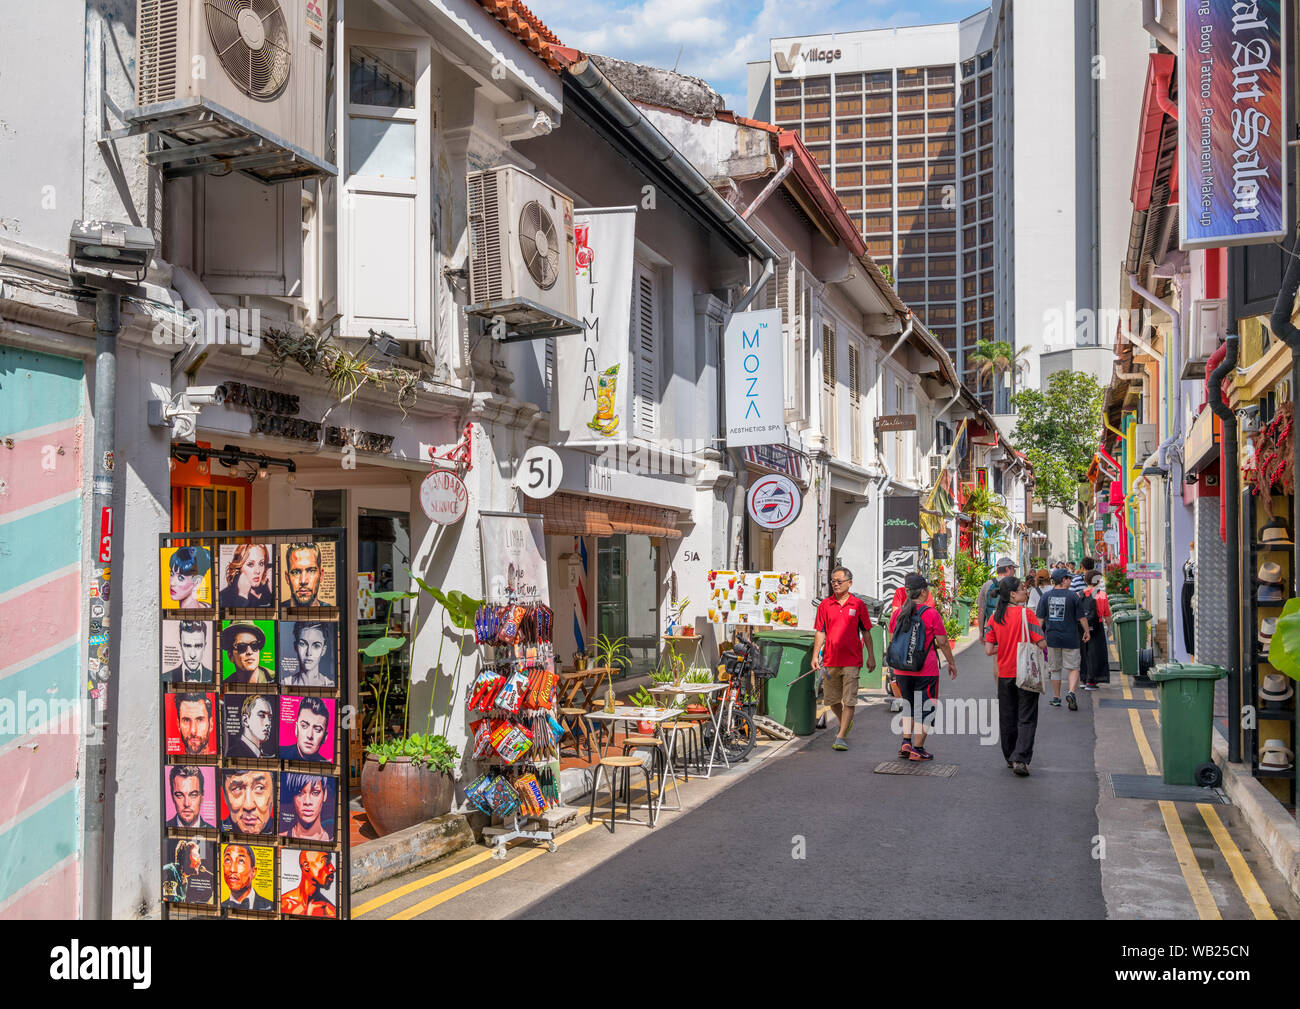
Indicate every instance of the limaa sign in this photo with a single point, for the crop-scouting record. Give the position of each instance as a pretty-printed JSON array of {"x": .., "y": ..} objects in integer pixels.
[
  {"x": 591, "y": 376},
  {"x": 773, "y": 501},
  {"x": 755, "y": 379},
  {"x": 1232, "y": 122},
  {"x": 443, "y": 497}
]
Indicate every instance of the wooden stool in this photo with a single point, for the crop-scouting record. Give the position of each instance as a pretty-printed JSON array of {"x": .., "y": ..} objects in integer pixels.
[
  {"x": 689, "y": 733},
  {"x": 622, "y": 767},
  {"x": 569, "y": 717}
]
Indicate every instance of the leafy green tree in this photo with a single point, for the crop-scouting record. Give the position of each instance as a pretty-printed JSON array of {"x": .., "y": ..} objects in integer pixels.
[{"x": 1058, "y": 431}]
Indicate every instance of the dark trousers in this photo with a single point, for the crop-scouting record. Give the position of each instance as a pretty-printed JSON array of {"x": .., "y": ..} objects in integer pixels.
[{"x": 1017, "y": 720}]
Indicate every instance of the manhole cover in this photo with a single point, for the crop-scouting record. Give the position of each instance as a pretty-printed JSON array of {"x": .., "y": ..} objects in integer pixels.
[{"x": 916, "y": 767}]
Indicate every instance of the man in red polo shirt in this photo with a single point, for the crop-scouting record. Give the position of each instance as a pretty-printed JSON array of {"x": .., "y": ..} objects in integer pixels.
[{"x": 842, "y": 625}]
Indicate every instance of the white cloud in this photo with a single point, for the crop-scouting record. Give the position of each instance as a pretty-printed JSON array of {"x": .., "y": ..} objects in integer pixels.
[{"x": 714, "y": 39}]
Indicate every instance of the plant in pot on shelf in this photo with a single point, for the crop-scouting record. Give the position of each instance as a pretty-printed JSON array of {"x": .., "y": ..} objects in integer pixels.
[
  {"x": 675, "y": 621},
  {"x": 609, "y": 653},
  {"x": 698, "y": 674},
  {"x": 643, "y": 699},
  {"x": 411, "y": 778}
]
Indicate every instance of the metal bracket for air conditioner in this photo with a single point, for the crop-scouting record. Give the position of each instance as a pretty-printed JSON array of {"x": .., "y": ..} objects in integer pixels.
[{"x": 521, "y": 319}]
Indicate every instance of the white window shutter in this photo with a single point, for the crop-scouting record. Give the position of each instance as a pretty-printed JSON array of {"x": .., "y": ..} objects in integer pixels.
[{"x": 645, "y": 353}]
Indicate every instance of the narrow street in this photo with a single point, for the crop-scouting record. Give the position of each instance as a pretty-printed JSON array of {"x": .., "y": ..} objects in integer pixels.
[{"x": 979, "y": 844}]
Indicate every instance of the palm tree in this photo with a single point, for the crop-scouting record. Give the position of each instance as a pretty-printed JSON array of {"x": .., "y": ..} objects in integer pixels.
[
  {"x": 997, "y": 357},
  {"x": 981, "y": 505}
]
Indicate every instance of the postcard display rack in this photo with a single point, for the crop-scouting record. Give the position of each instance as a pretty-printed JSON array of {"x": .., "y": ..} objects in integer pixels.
[
  {"x": 254, "y": 671},
  {"x": 514, "y": 731}
]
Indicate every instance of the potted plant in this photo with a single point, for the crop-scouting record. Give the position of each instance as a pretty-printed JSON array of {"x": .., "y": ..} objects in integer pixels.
[
  {"x": 698, "y": 674},
  {"x": 678, "y": 608},
  {"x": 411, "y": 778},
  {"x": 609, "y": 652},
  {"x": 643, "y": 699}
]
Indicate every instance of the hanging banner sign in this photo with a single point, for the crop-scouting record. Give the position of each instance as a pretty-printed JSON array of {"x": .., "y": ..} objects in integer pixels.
[
  {"x": 514, "y": 558},
  {"x": 443, "y": 497},
  {"x": 592, "y": 371},
  {"x": 902, "y": 522},
  {"x": 1232, "y": 123},
  {"x": 755, "y": 379},
  {"x": 773, "y": 501}
]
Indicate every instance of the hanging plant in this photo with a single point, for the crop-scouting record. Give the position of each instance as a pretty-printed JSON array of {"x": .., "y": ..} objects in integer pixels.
[
  {"x": 314, "y": 351},
  {"x": 1273, "y": 465}
]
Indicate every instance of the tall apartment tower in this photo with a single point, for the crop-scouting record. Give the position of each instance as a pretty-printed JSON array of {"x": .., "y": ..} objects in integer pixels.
[{"x": 971, "y": 155}]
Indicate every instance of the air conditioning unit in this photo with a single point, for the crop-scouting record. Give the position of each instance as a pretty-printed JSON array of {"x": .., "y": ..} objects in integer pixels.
[
  {"x": 1208, "y": 323},
  {"x": 522, "y": 249},
  {"x": 933, "y": 468},
  {"x": 233, "y": 84}
]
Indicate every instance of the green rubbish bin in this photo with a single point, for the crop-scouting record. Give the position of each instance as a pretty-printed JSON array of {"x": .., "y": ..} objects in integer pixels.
[
  {"x": 1131, "y": 632},
  {"x": 790, "y": 696},
  {"x": 1186, "y": 716},
  {"x": 866, "y": 678},
  {"x": 963, "y": 613}
]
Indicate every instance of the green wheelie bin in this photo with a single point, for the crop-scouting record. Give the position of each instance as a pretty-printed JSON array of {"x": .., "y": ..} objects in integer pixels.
[
  {"x": 1131, "y": 632},
  {"x": 1186, "y": 717},
  {"x": 790, "y": 695}
]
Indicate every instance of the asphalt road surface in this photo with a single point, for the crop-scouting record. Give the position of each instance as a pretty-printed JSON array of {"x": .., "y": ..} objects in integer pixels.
[{"x": 817, "y": 833}]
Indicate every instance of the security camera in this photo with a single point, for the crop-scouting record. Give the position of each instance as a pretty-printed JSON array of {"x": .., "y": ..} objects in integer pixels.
[{"x": 205, "y": 395}]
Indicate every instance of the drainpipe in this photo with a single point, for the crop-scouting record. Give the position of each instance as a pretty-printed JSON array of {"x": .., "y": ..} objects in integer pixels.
[
  {"x": 1231, "y": 501},
  {"x": 887, "y": 477},
  {"x": 737, "y": 459},
  {"x": 108, "y": 320},
  {"x": 1151, "y": 24},
  {"x": 1173, "y": 369},
  {"x": 955, "y": 396}
]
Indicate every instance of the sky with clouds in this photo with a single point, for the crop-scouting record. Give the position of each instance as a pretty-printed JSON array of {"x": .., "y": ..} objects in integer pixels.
[{"x": 714, "y": 39}]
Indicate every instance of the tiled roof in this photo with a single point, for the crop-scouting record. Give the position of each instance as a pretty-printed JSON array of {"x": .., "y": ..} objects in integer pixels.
[{"x": 527, "y": 27}]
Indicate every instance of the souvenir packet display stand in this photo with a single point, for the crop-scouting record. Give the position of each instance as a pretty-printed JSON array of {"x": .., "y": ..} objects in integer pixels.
[
  {"x": 293, "y": 872},
  {"x": 512, "y": 710}
]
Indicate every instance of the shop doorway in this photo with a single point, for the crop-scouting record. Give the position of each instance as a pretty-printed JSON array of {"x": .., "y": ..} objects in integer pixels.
[
  {"x": 383, "y": 557},
  {"x": 627, "y": 597}
]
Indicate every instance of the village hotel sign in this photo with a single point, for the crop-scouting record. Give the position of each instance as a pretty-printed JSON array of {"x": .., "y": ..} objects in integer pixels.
[{"x": 276, "y": 414}]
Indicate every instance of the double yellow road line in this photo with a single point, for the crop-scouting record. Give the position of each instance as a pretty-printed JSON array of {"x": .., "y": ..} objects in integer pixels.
[{"x": 1203, "y": 900}]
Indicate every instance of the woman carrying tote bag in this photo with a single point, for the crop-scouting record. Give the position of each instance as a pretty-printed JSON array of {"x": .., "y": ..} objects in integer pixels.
[{"x": 1011, "y": 626}]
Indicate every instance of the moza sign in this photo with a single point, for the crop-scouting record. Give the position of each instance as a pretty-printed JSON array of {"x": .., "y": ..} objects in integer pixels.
[
  {"x": 443, "y": 497},
  {"x": 773, "y": 501},
  {"x": 755, "y": 379}
]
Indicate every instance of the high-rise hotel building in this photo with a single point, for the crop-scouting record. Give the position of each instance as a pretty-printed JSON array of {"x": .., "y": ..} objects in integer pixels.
[{"x": 969, "y": 153}]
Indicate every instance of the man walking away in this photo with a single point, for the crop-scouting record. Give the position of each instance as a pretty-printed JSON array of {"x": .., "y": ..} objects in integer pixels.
[
  {"x": 1065, "y": 630},
  {"x": 918, "y": 681},
  {"x": 988, "y": 595},
  {"x": 1079, "y": 581},
  {"x": 1017, "y": 709},
  {"x": 842, "y": 625}
]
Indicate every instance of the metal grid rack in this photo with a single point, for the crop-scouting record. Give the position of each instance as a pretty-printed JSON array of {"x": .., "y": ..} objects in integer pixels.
[{"x": 280, "y": 613}]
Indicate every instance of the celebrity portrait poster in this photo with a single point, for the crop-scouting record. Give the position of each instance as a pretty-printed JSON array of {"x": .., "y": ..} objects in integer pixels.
[
  {"x": 248, "y": 724},
  {"x": 514, "y": 558},
  {"x": 248, "y": 800},
  {"x": 307, "y": 728},
  {"x": 248, "y": 873},
  {"x": 308, "y": 806},
  {"x": 190, "y": 724},
  {"x": 188, "y": 647},
  {"x": 246, "y": 575},
  {"x": 190, "y": 797},
  {"x": 307, "y": 653},
  {"x": 185, "y": 576},
  {"x": 247, "y": 651},
  {"x": 189, "y": 870},
  {"x": 308, "y": 574},
  {"x": 307, "y": 883}
]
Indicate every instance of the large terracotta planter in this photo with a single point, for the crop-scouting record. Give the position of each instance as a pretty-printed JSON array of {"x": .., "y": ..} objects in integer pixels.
[{"x": 399, "y": 794}]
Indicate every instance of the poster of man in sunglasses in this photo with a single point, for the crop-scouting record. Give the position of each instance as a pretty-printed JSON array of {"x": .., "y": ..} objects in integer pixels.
[{"x": 248, "y": 651}]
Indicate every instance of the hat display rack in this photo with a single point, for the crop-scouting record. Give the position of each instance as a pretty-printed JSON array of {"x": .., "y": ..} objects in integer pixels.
[
  {"x": 262, "y": 625},
  {"x": 1269, "y": 570}
]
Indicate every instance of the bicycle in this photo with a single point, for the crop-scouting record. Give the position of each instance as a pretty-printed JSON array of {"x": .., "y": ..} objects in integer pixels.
[{"x": 737, "y": 729}]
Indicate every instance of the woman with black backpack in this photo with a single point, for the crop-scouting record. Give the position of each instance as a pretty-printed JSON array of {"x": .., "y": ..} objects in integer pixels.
[{"x": 917, "y": 635}]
